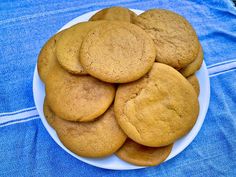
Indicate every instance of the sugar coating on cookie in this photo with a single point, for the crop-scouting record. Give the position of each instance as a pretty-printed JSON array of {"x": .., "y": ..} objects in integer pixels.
[
  {"x": 48, "y": 114},
  {"x": 117, "y": 52},
  {"x": 194, "y": 66},
  {"x": 175, "y": 39},
  {"x": 158, "y": 109},
  {"x": 77, "y": 98},
  {"x": 138, "y": 154},
  {"x": 114, "y": 14},
  {"x": 98, "y": 138},
  {"x": 194, "y": 82},
  {"x": 68, "y": 46},
  {"x": 47, "y": 56}
]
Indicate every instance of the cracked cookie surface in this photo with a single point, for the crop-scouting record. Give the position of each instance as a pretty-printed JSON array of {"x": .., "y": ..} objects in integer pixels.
[
  {"x": 175, "y": 39},
  {"x": 157, "y": 109},
  {"x": 138, "y": 154},
  {"x": 77, "y": 98},
  {"x": 117, "y": 52},
  {"x": 68, "y": 46},
  {"x": 97, "y": 138},
  {"x": 114, "y": 13}
]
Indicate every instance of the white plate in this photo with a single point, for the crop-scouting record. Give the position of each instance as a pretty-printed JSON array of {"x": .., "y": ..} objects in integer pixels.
[{"x": 113, "y": 162}]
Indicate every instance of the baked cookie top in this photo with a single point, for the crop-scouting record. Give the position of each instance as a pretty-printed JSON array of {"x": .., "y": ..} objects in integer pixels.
[
  {"x": 158, "y": 109},
  {"x": 194, "y": 82},
  {"x": 98, "y": 138},
  {"x": 175, "y": 39},
  {"x": 138, "y": 154},
  {"x": 68, "y": 46},
  {"x": 77, "y": 98},
  {"x": 117, "y": 52},
  {"x": 115, "y": 14},
  {"x": 49, "y": 115},
  {"x": 47, "y": 56},
  {"x": 194, "y": 66}
]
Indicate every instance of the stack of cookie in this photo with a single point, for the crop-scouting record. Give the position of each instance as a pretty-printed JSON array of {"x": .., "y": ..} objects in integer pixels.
[{"x": 122, "y": 83}]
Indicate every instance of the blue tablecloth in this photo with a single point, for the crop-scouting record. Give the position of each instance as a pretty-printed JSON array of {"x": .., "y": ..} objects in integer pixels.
[{"x": 26, "y": 149}]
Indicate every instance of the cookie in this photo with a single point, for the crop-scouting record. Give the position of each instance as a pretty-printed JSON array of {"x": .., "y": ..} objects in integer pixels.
[
  {"x": 68, "y": 46},
  {"x": 114, "y": 14},
  {"x": 47, "y": 56},
  {"x": 117, "y": 52},
  {"x": 194, "y": 82},
  {"x": 77, "y": 98},
  {"x": 98, "y": 138},
  {"x": 138, "y": 154},
  {"x": 158, "y": 109},
  {"x": 194, "y": 66},
  {"x": 49, "y": 115},
  {"x": 175, "y": 39}
]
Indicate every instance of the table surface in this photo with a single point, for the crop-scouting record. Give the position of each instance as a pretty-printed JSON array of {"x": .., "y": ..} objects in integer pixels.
[{"x": 26, "y": 149}]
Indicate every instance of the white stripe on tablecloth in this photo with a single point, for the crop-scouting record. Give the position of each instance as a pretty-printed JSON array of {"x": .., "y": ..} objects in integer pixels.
[
  {"x": 221, "y": 63},
  {"x": 216, "y": 74},
  {"x": 221, "y": 69},
  {"x": 20, "y": 121},
  {"x": 18, "y": 116},
  {"x": 16, "y": 112}
]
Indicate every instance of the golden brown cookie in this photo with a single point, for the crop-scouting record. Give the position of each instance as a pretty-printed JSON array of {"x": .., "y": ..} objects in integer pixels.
[
  {"x": 194, "y": 82},
  {"x": 117, "y": 52},
  {"x": 77, "y": 98},
  {"x": 194, "y": 66},
  {"x": 114, "y": 13},
  {"x": 98, "y": 138},
  {"x": 68, "y": 46},
  {"x": 158, "y": 109},
  {"x": 175, "y": 39},
  {"x": 49, "y": 115},
  {"x": 138, "y": 154},
  {"x": 47, "y": 57}
]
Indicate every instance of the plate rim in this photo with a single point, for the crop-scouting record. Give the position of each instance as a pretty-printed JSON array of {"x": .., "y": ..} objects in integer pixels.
[{"x": 131, "y": 166}]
